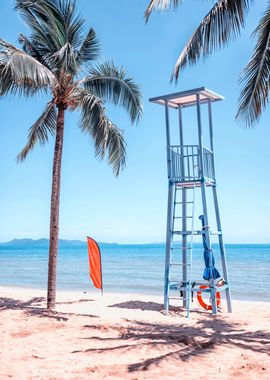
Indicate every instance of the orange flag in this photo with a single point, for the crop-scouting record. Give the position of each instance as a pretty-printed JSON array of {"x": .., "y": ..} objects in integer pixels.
[{"x": 95, "y": 267}]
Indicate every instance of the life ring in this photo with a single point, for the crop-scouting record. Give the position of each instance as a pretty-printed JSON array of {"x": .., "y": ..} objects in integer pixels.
[{"x": 201, "y": 301}]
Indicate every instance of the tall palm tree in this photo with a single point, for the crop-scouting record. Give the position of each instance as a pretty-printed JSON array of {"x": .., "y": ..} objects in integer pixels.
[
  {"x": 54, "y": 59},
  {"x": 223, "y": 23}
]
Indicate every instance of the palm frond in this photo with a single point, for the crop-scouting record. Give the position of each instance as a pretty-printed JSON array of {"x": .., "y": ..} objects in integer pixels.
[
  {"x": 73, "y": 23},
  {"x": 55, "y": 28},
  {"x": 65, "y": 59},
  {"x": 43, "y": 9},
  {"x": 219, "y": 26},
  {"x": 255, "y": 78},
  {"x": 42, "y": 17},
  {"x": 39, "y": 132},
  {"x": 28, "y": 47},
  {"x": 111, "y": 84},
  {"x": 160, "y": 5},
  {"x": 108, "y": 139},
  {"x": 22, "y": 73},
  {"x": 89, "y": 50}
]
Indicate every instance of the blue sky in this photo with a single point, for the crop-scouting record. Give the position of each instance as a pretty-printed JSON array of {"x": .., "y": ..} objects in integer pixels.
[{"x": 132, "y": 207}]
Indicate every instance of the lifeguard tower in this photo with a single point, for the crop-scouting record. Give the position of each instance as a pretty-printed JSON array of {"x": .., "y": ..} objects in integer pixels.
[{"x": 191, "y": 169}]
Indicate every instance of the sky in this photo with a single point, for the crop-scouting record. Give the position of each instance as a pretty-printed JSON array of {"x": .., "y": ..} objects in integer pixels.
[{"x": 132, "y": 207}]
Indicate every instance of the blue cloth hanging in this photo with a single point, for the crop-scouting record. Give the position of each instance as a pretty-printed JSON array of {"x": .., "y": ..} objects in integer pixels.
[{"x": 210, "y": 271}]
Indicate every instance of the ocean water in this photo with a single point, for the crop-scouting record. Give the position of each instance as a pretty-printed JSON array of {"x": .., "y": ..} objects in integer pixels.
[{"x": 135, "y": 269}]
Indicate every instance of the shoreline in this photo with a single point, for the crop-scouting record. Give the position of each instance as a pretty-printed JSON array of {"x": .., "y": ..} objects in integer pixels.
[{"x": 96, "y": 293}]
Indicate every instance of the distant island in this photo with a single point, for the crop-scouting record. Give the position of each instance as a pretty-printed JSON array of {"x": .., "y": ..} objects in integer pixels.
[
  {"x": 44, "y": 243},
  {"x": 78, "y": 244}
]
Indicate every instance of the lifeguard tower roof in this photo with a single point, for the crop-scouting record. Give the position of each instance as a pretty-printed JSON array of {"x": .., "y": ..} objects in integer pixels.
[{"x": 187, "y": 98}]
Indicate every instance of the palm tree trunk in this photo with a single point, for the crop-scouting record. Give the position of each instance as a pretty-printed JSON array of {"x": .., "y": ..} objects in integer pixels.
[{"x": 55, "y": 203}]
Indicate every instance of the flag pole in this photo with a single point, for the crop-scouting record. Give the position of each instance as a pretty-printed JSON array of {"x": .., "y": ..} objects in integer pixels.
[{"x": 101, "y": 272}]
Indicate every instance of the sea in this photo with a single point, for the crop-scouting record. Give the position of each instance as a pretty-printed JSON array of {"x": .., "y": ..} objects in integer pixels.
[{"x": 135, "y": 269}]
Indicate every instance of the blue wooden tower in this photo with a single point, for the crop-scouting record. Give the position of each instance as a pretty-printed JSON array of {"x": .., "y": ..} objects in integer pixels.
[{"x": 191, "y": 170}]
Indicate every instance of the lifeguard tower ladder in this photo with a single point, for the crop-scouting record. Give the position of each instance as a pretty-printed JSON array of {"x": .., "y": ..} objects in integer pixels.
[{"x": 190, "y": 168}]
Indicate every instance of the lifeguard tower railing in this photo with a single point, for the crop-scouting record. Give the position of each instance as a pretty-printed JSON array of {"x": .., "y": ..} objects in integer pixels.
[{"x": 184, "y": 164}]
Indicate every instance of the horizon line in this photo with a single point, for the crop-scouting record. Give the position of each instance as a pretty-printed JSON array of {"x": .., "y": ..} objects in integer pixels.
[{"x": 105, "y": 242}]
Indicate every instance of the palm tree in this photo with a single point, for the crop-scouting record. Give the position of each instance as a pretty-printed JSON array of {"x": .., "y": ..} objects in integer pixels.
[
  {"x": 53, "y": 60},
  {"x": 222, "y": 24}
]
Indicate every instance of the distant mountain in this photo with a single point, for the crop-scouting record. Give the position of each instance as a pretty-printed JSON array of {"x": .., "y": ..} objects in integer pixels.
[{"x": 44, "y": 243}]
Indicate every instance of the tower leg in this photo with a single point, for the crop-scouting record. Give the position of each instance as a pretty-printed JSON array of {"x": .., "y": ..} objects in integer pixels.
[
  {"x": 213, "y": 296},
  {"x": 222, "y": 252},
  {"x": 169, "y": 235},
  {"x": 204, "y": 201},
  {"x": 184, "y": 243}
]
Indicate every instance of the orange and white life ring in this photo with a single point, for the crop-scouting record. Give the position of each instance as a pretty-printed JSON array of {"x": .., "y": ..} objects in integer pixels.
[{"x": 201, "y": 301}]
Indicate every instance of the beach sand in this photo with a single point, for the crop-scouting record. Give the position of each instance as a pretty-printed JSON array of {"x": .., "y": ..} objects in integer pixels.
[{"x": 126, "y": 336}]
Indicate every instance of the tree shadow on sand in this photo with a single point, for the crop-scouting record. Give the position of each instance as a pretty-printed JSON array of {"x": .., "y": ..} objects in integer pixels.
[
  {"x": 140, "y": 305},
  {"x": 150, "y": 306},
  {"x": 13, "y": 304},
  {"x": 181, "y": 341},
  {"x": 36, "y": 307}
]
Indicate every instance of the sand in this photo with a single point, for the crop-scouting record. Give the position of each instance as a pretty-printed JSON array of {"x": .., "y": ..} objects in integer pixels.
[{"x": 126, "y": 336}]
